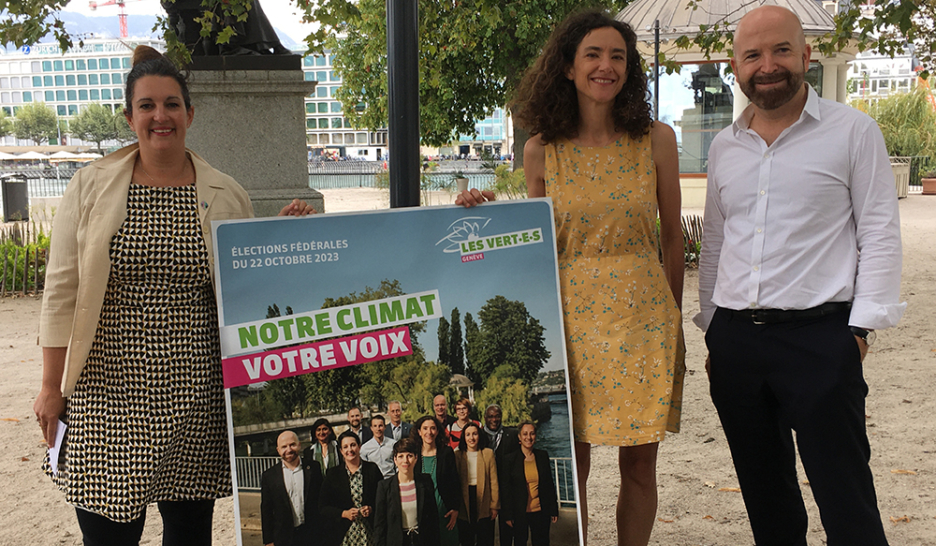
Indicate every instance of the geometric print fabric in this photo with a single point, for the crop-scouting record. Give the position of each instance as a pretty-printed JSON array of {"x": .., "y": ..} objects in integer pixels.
[{"x": 147, "y": 418}]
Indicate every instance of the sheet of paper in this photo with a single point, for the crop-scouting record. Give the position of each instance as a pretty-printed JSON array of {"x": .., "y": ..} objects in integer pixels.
[{"x": 54, "y": 450}]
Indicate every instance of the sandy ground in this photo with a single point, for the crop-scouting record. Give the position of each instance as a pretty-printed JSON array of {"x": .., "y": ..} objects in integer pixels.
[{"x": 694, "y": 465}]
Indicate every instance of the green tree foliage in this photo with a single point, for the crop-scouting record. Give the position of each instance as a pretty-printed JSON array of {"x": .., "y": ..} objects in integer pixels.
[
  {"x": 907, "y": 121},
  {"x": 512, "y": 338},
  {"x": 97, "y": 123},
  {"x": 289, "y": 393},
  {"x": 472, "y": 56},
  {"x": 511, "y": 395},
  {"x": 339, "y": 389},
  {"x": 6, "y": 124},
  {"x": 255, "y": 408},
  {"x": 445, "y": 340},
  {"x": 473, "y": 344},
  {"x": 36, "y": 122},
  {"x": 456, "y": 350},
  {"x": 427, "y": 381}
]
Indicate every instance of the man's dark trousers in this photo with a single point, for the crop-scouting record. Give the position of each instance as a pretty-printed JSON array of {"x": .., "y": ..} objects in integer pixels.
[{"x": 804, "y": 375}]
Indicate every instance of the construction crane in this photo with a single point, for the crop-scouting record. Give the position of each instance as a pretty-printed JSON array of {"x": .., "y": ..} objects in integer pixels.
[{"x": 123, "y": 15}]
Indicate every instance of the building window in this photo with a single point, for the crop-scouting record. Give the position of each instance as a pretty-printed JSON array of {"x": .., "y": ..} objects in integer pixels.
[
  {"x": 70, "y": 80},
  {"x": 62, "y": 111},
  {"x": 60, "y": 81},
  {"x": 82, "y": 79},
  {"x": 336, "y": 107},
  {"x": 60, "y": 96},
  {"x": 105, "y": 94},
  {"x": 37, "y": 81},
  {"x": 336, "y": 123},
  {"x": 69, "y": 65},
  {"x": 323, "y": 123},
  {"x": 337, "y": 138},
  {"x": 347, "y": 123},
  {"x": 308, "y": 61},
  {"x": 323, "y": 139},
  {"x": 103, "y": 64},
  {"x": 57, "y": 66},
  {"x": 125, "y": 62},
  {"x": 72, "y": 95},
  {"x": 82, "y": 94},
  {"x": 321, "y": 92},
  {"x": 36, "y": 66},
  {"x": 27, "y": 96},
  {"x": 312, "y": 139},
  {"x": 95, "y": 94},
  {"x": 116, "y": 79},
  {"x": 81, "y": 65},
  {"x": 310, "y": 124},
  {"x": 332, "y": 91},
  {"x": 361, "y": 138},
  {"x": 92, "y": 79},
  {"x": 118, "y": 93},
  {"x": 72, "y": 109},
  {"x": 333, "y": 77},
  {"x": 320, "y": 76},
  {"x": 319, "y": 60},
  {"x": 92, "y": 64},
  {"x": 310, "y": 108},
  {"x": 309, "y": 76},
  {"x": 105, "y": 79},
  {"x": 323, "y": 107},
  {"x": 47, "y": 66},
  {"x": 49, "y": 96}
]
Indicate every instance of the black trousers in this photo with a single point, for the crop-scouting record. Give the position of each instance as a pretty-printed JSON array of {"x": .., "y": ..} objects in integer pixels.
[
  {"x": 768, "y": 380},
  {"x": 185, "y": 523},
  {"x": 532, "y": 524},
  {"x": 476, "y": 531}
]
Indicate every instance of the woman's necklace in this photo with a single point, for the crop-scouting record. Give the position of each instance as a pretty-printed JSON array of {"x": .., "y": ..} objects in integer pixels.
[{"x": 153, "y": 180}]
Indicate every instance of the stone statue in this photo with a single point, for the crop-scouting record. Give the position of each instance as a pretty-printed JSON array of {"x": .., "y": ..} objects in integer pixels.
[{"x": 255, "y": 36}]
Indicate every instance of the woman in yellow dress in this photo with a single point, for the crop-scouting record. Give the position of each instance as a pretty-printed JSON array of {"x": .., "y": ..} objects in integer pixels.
[{"x": 610, "y": 170}]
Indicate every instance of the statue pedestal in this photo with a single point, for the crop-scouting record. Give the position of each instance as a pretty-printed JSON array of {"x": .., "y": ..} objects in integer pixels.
[{"x": 250, "y": 124}]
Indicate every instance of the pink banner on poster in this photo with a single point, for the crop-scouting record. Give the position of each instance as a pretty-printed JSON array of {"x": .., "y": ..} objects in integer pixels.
[{"x": 316, "y": 357}]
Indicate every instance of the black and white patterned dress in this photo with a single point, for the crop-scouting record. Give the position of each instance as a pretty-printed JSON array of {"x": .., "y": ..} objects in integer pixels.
[{"x": 147, "y": 418}]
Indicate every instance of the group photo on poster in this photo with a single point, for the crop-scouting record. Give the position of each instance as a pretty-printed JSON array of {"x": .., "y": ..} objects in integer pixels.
[{"x": 397, "y": 377}]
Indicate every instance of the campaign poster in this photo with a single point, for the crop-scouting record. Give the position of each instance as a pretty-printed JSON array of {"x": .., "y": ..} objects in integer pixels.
[{"x": 328, "y": 321}]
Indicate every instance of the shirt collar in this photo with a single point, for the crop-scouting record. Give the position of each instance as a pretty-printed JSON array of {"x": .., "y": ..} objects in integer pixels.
[{"x": 743, "y": 123}]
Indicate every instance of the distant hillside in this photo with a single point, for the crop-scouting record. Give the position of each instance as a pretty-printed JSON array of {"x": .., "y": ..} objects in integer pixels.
[{"x": 108, "y": 26}]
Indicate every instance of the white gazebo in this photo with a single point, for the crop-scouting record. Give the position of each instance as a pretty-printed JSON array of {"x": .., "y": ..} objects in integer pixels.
[{"x": 718, "y": 97}]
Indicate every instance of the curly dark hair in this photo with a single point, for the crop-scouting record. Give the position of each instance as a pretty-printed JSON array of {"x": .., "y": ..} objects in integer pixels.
[
  {"x": 547, "y": 99},
  {"x": 440, "y": 439}
]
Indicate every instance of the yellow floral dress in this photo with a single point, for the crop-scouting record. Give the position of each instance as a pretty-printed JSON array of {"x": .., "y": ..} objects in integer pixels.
[{"x": 624, "y": 334}]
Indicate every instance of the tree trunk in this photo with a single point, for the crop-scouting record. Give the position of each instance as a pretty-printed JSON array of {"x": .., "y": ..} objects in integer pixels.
[{"x": 521, "y": 136}]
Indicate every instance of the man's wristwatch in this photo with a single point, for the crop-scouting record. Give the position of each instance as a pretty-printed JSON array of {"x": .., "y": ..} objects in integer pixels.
[{"x": 867, "y": 335}]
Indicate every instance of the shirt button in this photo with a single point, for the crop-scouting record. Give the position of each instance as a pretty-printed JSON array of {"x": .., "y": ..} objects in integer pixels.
[
  {"x": 753, "y": 305},
  {"x": 767, "y": 155},
  {"x": 756, "y": 268},
  {"x": 759, "y": 230},
  {"x": 762, "y": 192}
]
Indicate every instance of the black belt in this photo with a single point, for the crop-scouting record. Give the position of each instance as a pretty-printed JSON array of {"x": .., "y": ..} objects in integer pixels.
[{"x": 772, "y": 316}]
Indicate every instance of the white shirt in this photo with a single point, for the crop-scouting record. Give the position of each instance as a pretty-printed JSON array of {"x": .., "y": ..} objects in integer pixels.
[
  {"x": 295, "y": 488},
  {"x": 380, "y": 454},
  {"x": 784, "y": 224}
]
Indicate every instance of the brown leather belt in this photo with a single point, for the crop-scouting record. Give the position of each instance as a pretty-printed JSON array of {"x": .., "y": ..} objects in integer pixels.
[{"x": 773, "y": 316}]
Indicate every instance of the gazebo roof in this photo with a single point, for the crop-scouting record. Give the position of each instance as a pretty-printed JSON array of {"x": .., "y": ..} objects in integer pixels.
[{"x": 677, "y": 18}]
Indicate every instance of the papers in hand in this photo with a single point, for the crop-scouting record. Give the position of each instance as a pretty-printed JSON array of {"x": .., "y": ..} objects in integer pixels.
[{"x": 54, "y": 450}]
